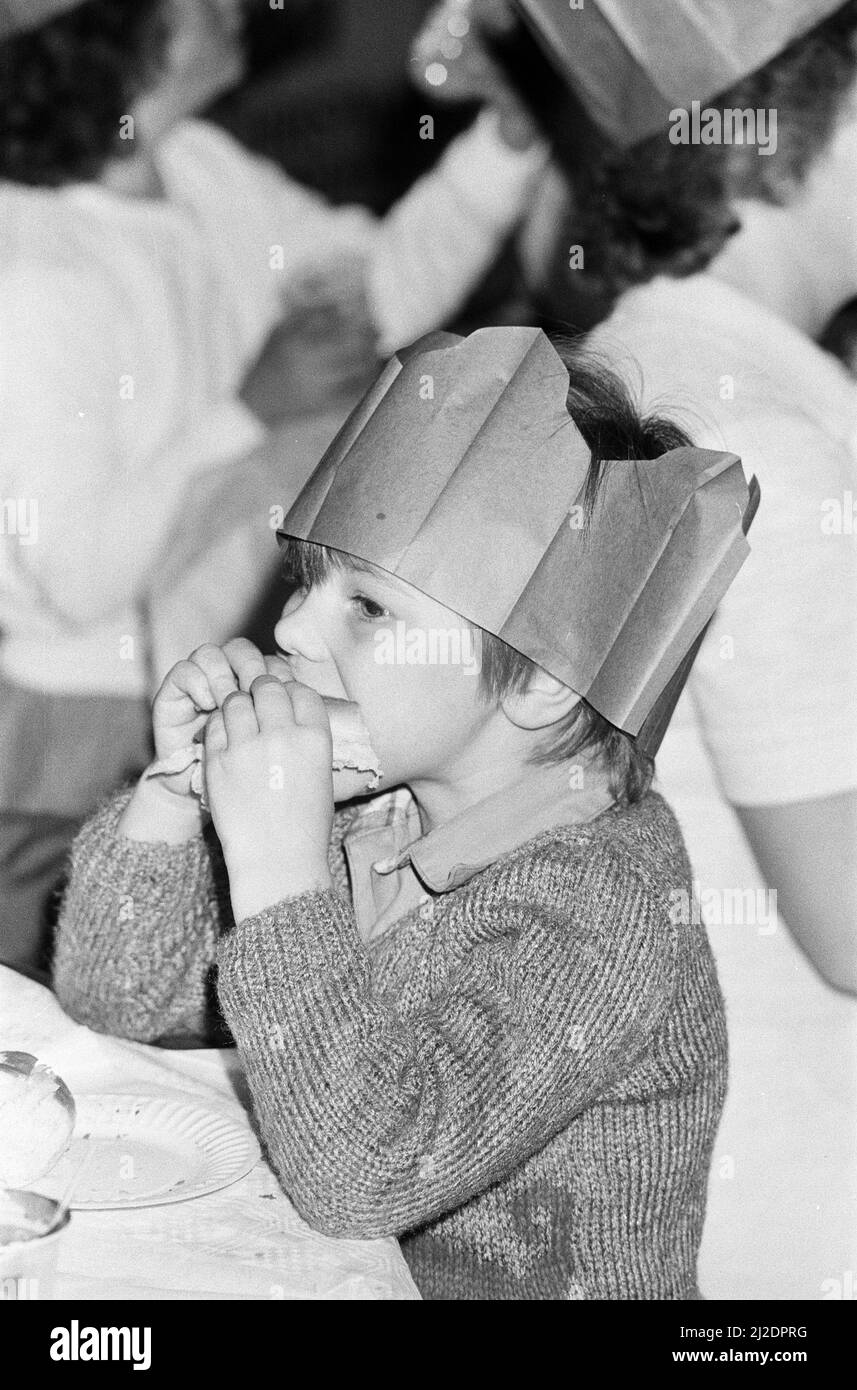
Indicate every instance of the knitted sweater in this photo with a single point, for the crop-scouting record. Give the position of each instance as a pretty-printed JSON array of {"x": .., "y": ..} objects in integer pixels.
[{"x": 524, "y": 1085}]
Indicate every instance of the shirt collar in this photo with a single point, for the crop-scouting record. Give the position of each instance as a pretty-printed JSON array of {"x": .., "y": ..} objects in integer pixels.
[{"x": 546, "y": 796}]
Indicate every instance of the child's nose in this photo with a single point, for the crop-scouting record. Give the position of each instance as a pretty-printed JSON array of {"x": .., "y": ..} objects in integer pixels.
[{"x": 299, "y": 631}]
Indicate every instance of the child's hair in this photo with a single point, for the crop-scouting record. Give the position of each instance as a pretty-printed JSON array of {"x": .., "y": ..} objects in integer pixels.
[
  {"x": 603, "y": 410},
  {"x": 65, "y": 87}
]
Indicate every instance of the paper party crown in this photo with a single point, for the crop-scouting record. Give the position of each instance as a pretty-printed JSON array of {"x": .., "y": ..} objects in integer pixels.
[
  {"x": 631, "y": 62},
  {"x": 462, "y": 472},
  {"x": 16, "y": 16}
]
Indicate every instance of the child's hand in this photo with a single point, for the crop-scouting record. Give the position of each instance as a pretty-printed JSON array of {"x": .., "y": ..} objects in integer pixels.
[
  {"x": 270, "y": 788},
  {"x": 192, "y": 690},
  {"x": 325, "y": 347},
  {"x": 319, "y": 354}
]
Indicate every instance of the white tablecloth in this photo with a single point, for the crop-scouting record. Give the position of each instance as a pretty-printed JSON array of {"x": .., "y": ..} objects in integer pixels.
[{"x": 246, "y": 1241}]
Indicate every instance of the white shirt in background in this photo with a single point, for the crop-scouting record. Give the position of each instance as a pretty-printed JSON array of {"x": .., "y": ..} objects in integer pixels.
[
  {"x": 773, "y": 693},
  {"x": 768, "y": 718}
]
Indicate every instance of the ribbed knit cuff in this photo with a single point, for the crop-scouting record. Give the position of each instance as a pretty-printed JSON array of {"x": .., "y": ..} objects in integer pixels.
[
  {"x": 137, "y": 931},
  {"x": 312, "y": 932},
  {"x": 302, "y": 954},
  {"x": 102, "y": 854}
]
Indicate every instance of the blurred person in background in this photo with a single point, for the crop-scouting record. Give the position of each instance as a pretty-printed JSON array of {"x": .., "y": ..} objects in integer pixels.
[
  {"x": 152, "y": 274},
  {"x": 714, "y": 272}
]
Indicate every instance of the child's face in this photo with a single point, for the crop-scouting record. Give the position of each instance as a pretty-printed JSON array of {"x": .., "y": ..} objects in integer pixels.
[{"x": 410, "y": 664}]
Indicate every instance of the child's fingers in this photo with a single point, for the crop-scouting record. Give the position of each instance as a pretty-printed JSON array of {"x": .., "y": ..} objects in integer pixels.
[
  {"x": 245, "y": 659},
  {"x": 239, "y": 717},
  {"x": 279, "y": 667},
  {"x": 308, "y": 706},
  {"x": 191, "y": 727},
  {"x": 273, "y": 703},
  {"x": 213, "y": 663},
  {"x": 187, "y": 686},
  {"x": 215, "y": 740}
]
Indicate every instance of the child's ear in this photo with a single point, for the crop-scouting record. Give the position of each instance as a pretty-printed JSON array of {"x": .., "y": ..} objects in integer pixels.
[{"x": 544, "y": 702}]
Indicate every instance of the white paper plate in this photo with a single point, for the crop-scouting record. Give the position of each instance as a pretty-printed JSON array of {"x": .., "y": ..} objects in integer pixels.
[{"x": 142, "y": 1151}]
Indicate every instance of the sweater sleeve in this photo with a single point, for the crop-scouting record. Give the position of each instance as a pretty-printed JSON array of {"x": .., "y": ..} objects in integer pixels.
[
  {"x": 419, "y": 262},
  {"x": 139, "y": 926},
  {"x": 138, "y": 931},
  {"x": 379, "y": 1118},
  {"x": 435, "y": 245}
]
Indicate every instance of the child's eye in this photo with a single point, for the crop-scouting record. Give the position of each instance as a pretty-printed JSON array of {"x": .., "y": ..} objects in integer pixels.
[{"x": 368, "y": 609}]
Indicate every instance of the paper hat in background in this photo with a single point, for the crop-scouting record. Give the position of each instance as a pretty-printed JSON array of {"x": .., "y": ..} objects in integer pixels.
[
  {"x": 632, "y": 61},
  {"x": 462, "y": 473},
  {"x": 18, "y": 15}
]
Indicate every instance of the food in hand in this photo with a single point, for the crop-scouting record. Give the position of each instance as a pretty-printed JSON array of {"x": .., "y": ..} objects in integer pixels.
[
  {"x": 36, "y": 1118},
  {"x": 352, "y": 754},
  {"x": 352, "y": 747},
  {"x": 180, "y": 761}
]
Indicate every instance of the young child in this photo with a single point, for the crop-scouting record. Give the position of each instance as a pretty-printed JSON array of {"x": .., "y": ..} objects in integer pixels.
[{"x": 469, "y": 1013}]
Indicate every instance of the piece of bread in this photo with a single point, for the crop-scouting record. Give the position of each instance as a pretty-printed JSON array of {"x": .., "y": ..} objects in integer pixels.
[
  {"x": 352, "y": 754},
  {"x": 36, "y": 1119},
  {"x": 183, "y": 758},
  {"x": 352, "y": 747}
]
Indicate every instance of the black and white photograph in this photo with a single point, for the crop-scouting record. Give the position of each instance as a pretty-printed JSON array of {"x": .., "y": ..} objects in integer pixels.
[{"x": 428, "y": 665}]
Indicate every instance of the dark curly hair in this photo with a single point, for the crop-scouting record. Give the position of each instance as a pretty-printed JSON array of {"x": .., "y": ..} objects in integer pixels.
[
  {"x": 663, "y": 208},
  {"x": 65, "y": 87},
  {"x": 606, "y": 415}
]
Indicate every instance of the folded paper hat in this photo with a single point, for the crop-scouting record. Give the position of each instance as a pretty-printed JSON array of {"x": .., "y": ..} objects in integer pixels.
[
  {"x": 462, "y": 472},
  {"x": 18, "y": 15},
  {"x": 632, "y": 63}
]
